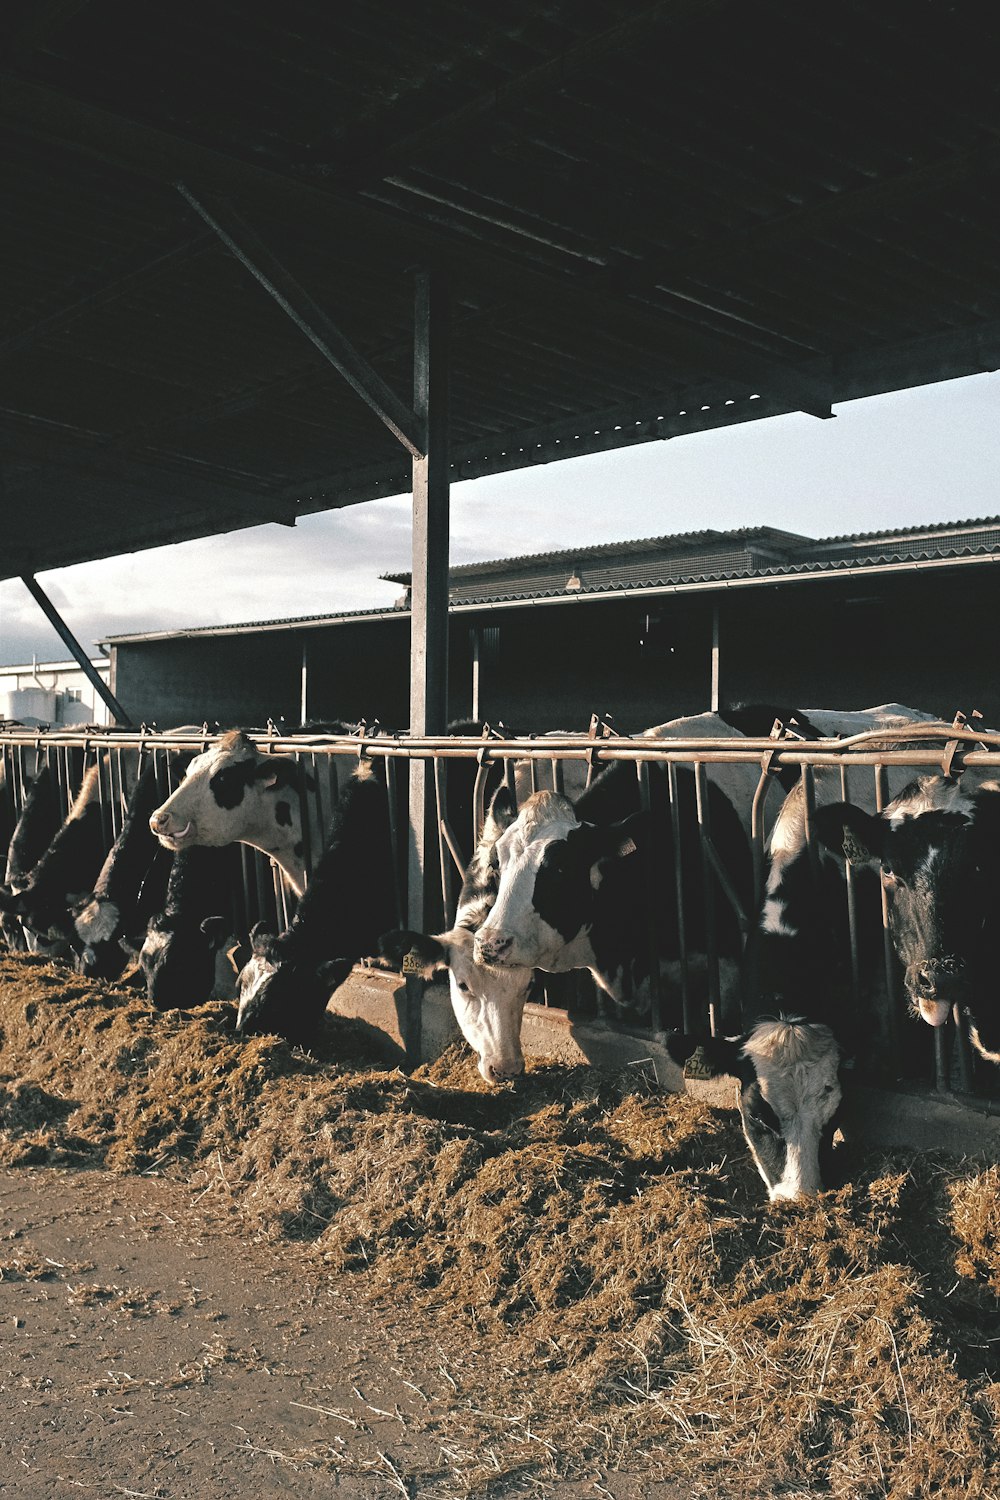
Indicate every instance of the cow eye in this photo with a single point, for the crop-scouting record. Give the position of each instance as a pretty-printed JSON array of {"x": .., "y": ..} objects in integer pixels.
[{"x": 464, "y": 988}]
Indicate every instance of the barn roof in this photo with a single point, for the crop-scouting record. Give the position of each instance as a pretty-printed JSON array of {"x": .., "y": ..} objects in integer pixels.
[
  {"x": 658, "y": 565},
  {"x": 657, "y": 218}
]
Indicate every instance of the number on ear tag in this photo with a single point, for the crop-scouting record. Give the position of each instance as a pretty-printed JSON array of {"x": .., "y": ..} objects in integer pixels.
[{"x": 412, "y": 962}]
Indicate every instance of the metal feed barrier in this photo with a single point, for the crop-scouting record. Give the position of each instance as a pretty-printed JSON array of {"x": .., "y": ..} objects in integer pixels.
[{"x": 526, "y": 765}]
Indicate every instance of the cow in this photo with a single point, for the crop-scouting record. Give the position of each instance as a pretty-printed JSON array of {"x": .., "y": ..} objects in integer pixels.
[
  {"x": 285, "y": 985},
  {"x": 179, "y": 950},
  {"x": 129, "y": 889},
  {"x": 63, "y": 873},
  {"x": 937, "y": 848},
  {"x": 36, "y": 826},
  {"x": 234, "y": 793},
  {"x": 788, "y": 1069},
  {"x": 488, "y": 1003},
  {"x": 489, "y": 1000}
]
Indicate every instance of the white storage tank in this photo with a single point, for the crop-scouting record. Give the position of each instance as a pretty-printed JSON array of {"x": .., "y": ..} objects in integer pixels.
[{"x": 31, "y": 705}]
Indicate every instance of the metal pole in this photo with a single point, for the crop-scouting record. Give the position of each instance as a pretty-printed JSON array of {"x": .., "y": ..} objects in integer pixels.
[
  {"x": 304, "y": 683},
  {"x": 429, "y": 607},
  {"x": 477, "y": 639},
  {"x": 714, "y": 705},
  {"x": 69, "y": 640}
]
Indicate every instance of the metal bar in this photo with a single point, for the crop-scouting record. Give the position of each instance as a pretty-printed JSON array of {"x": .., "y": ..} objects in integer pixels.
[
  {"x": 304, "y": 683},
  {"x": 714, "y": 704},
  {"x": 653, "y": 910},
  {"x": 392, "y": 791},
  {"x": 69, "y": 640},
  {"x": 687, "y": 1008},
  {"x": 446, "y": 844},
  {"x": 715, "y": 1018},
  {"x": 851, "y": 896},
  {"x": 408, "y": 426},
  {"x": 477, "y": 647},
  {"x": 888, "y": 951},
  {"x": 429, "y": 600},
  {"x": 305, "y": 823},
  {"x": 963, "y": 1067}
]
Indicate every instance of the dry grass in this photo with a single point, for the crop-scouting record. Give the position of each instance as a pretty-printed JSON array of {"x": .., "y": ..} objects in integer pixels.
[{"x": 644, "y": 1305}]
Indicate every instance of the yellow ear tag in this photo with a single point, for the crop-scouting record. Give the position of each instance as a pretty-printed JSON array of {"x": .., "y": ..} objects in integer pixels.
[{"x": 412, "y": 962}]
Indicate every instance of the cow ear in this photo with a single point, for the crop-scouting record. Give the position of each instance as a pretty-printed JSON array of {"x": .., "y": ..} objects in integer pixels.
[
  {"x": 625, "y": 838},
  {"x": 11, "y": 900},
  {"x": 238, "y": 956},
  {"x": 273, "y": 772},
  {"x": 850, "y": 831},
  {"x": 707, "y": 1057},
  {"x": 413, "y": 952},
  {"x": 260, "y": 936},
  {"x": 214, "y": 929},
  {"x": 501, "y": 815}
]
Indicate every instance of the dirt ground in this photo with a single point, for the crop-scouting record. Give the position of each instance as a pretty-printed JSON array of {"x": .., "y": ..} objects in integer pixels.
[
  {"x": 149, "y": 1348},
  {"x": 228, "y": 1266}
]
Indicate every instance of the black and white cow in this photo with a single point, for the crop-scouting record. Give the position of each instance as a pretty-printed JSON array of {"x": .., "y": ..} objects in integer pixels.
[
  {"x": 65, "y": 871},
  {"x": 285, "y": 985},
  {"x": 33, "y": 832},
  {"x": 488, "y": 1003},
  {"x": 179, "y": 952},
  {"x": 233, "y": 793},
  {"x": 788, "y": 1069},
  {"x": 129, "y": 889},
  {"x": 489, "y": 1000},
  {"x": 937, "y": 846}
]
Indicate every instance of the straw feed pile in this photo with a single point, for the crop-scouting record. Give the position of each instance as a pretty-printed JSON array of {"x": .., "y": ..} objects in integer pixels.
[{"x": 610, "y": 1243}]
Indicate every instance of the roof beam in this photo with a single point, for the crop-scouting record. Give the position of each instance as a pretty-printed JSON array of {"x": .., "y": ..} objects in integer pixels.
[
  {"x": 155, "y": 154},
  {"x": 554, "y": 73},
  {"x": 142, "y": 269},
  {"x": 310, "y": 318}
]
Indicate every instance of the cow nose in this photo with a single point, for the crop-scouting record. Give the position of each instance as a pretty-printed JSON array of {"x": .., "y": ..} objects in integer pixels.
[
  {"x": 159, "y": 822},
  {"x": 503, "y": 1072}
]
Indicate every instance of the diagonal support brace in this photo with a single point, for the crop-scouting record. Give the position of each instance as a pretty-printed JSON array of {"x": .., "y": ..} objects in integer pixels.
[
  {"x": 307, "y": 315},
  {"x": 66, "y": 635}
]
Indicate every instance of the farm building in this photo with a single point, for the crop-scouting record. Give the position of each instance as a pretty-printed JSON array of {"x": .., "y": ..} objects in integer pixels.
[
  {"x": 644, "y": 630},
  {"x": 53, "y": 692}
]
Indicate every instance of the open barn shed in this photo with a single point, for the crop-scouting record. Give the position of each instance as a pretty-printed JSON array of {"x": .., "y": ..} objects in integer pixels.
[{"x": 264, "y": 262}]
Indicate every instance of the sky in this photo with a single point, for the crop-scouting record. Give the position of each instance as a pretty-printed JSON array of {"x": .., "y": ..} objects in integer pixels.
[{"x": 925, "y": 455}]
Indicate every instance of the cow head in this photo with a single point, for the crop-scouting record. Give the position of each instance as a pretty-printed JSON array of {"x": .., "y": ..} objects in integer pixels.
[
  {"x": 938, "y": 848},
  {"x": 178, "y": 959},
  {"x": 283, "y": 989},
  {"x": 44, "y": 917},
  {"x": 788, "y": 1071},
  {"x": 231, "y": 793},
  {"x": 550, "y": 867},
  {"x": 488, "y": 1003}
]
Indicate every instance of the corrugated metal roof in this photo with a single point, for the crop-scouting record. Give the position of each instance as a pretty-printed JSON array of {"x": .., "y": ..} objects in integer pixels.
[
  {"x": 652, "y": 222},
  {"x": 889, "y": 557}
]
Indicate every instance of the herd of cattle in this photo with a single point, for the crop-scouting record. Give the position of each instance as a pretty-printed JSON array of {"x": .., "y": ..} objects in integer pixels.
[{"x": 612, "y": 881}]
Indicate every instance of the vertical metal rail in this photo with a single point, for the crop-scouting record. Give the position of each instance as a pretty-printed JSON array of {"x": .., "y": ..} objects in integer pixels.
[
  {"x": 655, "y": 904},
  {"x": 305, "y": 821},
  {"x": 392, "y": 792},
  {"x": 851, "y": 897},
  {"x": 429, "y": 595},
  {"x": 888, "y": 951},
  {"x": 444, "y": 841},
  {"x": 687, "y": 1008},
  {"x": 708, "y": 894}
]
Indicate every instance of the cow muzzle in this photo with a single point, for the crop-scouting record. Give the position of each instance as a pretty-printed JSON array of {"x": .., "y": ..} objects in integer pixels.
[
  {"x": 935, "y": 985},
  {"x": 501, "y": 1071},
  {"x": 161, "y": 823}
]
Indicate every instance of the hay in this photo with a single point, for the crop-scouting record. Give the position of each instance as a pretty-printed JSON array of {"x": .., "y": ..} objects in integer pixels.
[{"x": 611, "y": 1242}]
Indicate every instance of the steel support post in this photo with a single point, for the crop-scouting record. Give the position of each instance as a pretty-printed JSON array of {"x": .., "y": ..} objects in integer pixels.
[
  {"x": 429, "y": 612},
  {"x": 70, "y": 641},
  {"x": 714, "y": 703}
]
